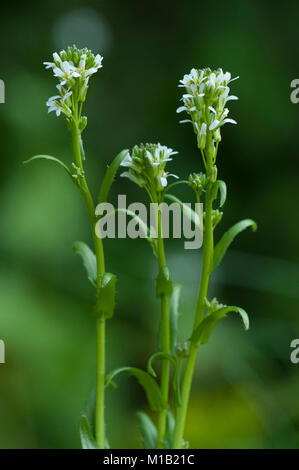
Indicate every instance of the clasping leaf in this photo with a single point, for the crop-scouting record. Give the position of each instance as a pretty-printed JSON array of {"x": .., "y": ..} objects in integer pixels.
[
  {"x": 203, "y": 332},
  {"x": 163, "y": 283},
  {"x": 106, "y": 291},
  {"x": 87, "y": 439}
]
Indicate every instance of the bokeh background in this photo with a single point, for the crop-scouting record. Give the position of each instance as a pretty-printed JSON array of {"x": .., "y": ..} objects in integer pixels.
[{"x": 245, "y": 393}]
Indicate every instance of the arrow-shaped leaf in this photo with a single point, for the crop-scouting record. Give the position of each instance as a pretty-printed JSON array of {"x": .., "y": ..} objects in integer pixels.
[
  {"x": 203, "y": 332},
  {"x": 228, "y": 237},
  {"x": 87, "y": 439}
]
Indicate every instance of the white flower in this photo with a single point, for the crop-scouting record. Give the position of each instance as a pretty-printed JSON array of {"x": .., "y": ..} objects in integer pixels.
[
  {"x": 54, "y": 105},
  {"x": 73, "y": 68},
  {"x": 65, "y": 72},
  {"x": 60, "y": 103},
  {"x": 207, "y": 93},
  {"x": 146, "y": 166}
]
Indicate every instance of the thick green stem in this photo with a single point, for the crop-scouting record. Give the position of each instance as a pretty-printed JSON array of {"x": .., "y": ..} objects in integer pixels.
[
  {"x": 208, "y": 248},
  {"x": 165, "y": 337},
  {"x": 98, "y": 245},
  {"x": 100, "y": 385}
]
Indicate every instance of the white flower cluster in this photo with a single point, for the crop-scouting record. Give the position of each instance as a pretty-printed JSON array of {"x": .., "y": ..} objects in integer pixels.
[
  {"x": 73, "y": 69},
  {"x": 205, "y": 100},
  {"x": 146, "y": 166}
]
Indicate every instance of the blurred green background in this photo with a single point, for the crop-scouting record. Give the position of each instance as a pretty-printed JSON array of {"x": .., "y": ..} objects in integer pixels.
[{"x": 245, "y": 393}]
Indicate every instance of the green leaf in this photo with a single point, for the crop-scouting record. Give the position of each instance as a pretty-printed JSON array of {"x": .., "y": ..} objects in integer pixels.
[
  {"x": 152, "y": 390},
  {"x": 228, "y": 237},
  {"x": 203, "y": 332},
  {"x": 163, "y": 283},
  {"x": 106, "y": 292},
  {"x": 53, "y": 159},
  {"x": 187, "y": 211},
  {"x": 110, "y": 174},
  {"x": 87, "y": 439},
  {"x": 162, "y": 356},
  {"x": 90, "y": 417},
  {"x": 148, "y": 431},
  {"x": 223, "y": 191},
  {"x": 170, "y": 425},
  {"x": 174, "y": 314},
  {"x": 89, "y": 260}
]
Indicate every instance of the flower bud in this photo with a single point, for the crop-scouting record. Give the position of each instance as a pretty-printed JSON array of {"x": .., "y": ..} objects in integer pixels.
[{"x": 146, "y": 166}]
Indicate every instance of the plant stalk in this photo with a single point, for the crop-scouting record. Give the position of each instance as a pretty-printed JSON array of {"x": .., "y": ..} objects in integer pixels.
[
  {"x": 98, "y": 246},
  {"x": 208, "y": 249},
  {"x": 165, "y": 340}
]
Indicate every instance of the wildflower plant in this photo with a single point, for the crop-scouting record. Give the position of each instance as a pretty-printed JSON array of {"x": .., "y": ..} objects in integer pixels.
[
  {"x": 73, "y": 69},
  {"x": 205, "y": 100},
  {"x": 146, "y": 165}
]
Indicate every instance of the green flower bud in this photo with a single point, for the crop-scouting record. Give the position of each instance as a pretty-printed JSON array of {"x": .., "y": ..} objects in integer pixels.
[
  {"x": 198, "y": 182},
  {"x": 82, "y": 123},
  {"x": 146, "y": 166}
]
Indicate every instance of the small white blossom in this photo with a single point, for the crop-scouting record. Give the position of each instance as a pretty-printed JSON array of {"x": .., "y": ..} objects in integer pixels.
[
  {"x": 60, "y": 103},
  {"x": 73, "y": 68},
  {"x": 207, "y": 93}
]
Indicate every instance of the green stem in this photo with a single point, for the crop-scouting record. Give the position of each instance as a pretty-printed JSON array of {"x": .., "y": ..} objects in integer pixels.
[
  {"x": 100, "y": 385},
  {"x": 165, "y": 336},
  {"x": 208, "y": 248},
  {"x": 98, "y": 245}
]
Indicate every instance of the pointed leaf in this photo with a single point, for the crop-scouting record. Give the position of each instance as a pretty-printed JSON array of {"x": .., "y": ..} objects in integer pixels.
[
  {"x": 90, "y": 416},
  {"x": 203, "y": 332},
  {"x": 228, "y": 237},
  {"x": 110, "y": 174},
  {"x": 89, "y": 260},
  {"x": 87, "y": 439},
  {"x": 152, "y": 390},
  {"x": 174, "y": 314},
  {"x": 170, "y": 425},
  {"x": 148, "y": 431},
  {"x": 53, "y": 159}
]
